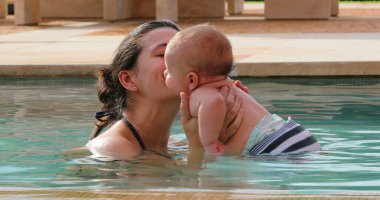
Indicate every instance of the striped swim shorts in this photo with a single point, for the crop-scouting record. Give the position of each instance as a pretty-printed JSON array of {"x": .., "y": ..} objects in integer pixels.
[{"x": 275, "y": 136}]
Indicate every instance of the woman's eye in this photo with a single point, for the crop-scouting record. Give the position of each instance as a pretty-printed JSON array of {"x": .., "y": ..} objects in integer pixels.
[{"x": 160, "y": 54}]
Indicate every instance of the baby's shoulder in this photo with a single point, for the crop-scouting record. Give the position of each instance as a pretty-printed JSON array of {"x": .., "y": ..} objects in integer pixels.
[{"x": 205, "y": 92}]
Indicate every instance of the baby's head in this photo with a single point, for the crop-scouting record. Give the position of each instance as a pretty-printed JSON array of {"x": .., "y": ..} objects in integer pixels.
[{"x": 200, "y": 51}]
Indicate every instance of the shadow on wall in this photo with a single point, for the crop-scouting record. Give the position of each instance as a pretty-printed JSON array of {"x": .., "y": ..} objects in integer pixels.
[{"x": 11, "y": 10}]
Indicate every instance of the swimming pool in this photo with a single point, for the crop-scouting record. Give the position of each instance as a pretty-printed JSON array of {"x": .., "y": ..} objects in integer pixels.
[{"x": 43, "y": 119}]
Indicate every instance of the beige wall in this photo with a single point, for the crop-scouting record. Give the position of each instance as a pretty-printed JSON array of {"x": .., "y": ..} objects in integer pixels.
[
  {"x": 201, "y": 8},
  {"x": 297, "y": 9},
  {"x": 186, "y": 8},
  {"x": 140, "y": 8},
  {"x": 27, "y": 12},
  {"x": 3, "y": 9},
  {"x": 117, "y": 9},
  {"x": 72, "y": 8},
  {"x": 144, "y": 8},
  {"x": 167, "y": 9},
  {"x": 334, "y": 7}
]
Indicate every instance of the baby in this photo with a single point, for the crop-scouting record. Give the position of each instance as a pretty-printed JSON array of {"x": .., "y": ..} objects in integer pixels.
[{"x": 198, "y": 60}]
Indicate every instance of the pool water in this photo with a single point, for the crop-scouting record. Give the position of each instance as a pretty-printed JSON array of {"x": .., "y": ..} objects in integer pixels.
[{"x": 43, "y": 120}]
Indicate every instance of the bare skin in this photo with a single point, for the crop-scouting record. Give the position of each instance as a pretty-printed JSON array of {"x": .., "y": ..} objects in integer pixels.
[
  {"x": 189, "y": 58},
  {"x": 149, "y": 105},
  {"x": 155, "y": 107},
  {"x": 206, "y": 104}
]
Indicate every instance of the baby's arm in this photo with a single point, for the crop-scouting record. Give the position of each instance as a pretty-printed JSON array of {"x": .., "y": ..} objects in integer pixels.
[{"x": 210, "y": 108}]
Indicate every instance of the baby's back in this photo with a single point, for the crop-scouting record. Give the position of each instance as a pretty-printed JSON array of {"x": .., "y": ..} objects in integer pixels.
[
  {"x": 285, "y": 138},
  {"x": 253, "y": 113}
]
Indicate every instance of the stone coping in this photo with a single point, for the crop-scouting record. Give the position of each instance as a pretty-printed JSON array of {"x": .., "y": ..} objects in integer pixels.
[
  {"x": 308, "y": 69},
  {"x": 174, "y": 194},
  {"x": 84, "y": 70},
  {"x": 290, "y": 69}
]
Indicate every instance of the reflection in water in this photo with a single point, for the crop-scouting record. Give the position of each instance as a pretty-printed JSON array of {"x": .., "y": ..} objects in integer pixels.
[
  {"x": 154, "y": 171},
  {"x": 43, "y": 120}
]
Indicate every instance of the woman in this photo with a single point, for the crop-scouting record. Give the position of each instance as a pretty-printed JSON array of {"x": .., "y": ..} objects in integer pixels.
[{"x": 134, "y": 96}]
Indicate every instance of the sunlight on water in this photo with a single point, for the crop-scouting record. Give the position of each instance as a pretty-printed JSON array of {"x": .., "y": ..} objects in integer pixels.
[{"x": 43, "y": 120}]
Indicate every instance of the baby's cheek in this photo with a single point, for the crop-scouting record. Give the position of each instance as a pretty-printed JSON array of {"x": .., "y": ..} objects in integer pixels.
[
  {"x": 170, "y": 83},
  {"x": 166, "y": 73},
  {"x": 167, "y": 82}
]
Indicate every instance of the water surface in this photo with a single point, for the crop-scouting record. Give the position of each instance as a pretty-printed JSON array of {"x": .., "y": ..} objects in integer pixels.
[{"x": 42, "y": 120}]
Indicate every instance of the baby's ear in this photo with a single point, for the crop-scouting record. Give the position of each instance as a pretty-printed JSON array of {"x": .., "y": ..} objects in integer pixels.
[{"x": 192, "y": 80}]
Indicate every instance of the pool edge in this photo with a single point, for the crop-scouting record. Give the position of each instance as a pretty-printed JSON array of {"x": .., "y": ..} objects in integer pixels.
[
  {"x": 242, "y": 68},
  {"x": 148, "y": 194}
]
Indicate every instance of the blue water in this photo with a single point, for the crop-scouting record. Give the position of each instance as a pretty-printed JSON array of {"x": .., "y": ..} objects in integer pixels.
[{"x": 43, "y": 120}]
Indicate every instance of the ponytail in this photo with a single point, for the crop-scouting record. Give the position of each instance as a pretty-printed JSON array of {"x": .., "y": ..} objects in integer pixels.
[{"x": 112, "y": 96}]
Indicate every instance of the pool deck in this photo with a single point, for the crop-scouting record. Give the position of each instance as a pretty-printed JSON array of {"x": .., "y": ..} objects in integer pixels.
[
  {"x": 72, "y": 50},
  {"x": 174, "y": 195}
]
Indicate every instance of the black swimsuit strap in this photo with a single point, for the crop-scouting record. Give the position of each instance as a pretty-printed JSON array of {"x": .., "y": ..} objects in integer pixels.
[{"x": 135, "y": 133}]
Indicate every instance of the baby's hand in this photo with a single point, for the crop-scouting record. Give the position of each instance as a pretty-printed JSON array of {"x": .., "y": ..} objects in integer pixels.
[{"x": 215, "y": 148}]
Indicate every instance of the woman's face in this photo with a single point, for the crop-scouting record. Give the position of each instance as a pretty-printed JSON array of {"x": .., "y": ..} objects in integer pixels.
[{"x": 151, "y": 64}]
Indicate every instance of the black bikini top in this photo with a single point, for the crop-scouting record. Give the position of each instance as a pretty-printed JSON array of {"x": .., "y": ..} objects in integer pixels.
[
  {"x": 135, "y": 133},
  {"x": 101, "y": 114}
]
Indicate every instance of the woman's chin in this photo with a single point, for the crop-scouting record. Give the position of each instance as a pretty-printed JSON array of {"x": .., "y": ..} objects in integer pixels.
[{"x": 170, "y": 95}]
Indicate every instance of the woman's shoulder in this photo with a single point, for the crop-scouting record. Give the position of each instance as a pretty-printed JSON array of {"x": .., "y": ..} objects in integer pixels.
[{"x": 113, "y": 146}]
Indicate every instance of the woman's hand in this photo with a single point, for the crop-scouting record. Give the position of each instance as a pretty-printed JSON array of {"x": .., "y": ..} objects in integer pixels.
[
  {"x": 241, "y": 86},
  {"x": 190, "y": 124},
  {"x": 232, "y": 121},
  {"x": 234, "y": 115}
]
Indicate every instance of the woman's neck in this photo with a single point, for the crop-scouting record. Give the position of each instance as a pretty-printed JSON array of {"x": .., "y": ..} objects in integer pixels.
[{"x": 153, "y": 120}]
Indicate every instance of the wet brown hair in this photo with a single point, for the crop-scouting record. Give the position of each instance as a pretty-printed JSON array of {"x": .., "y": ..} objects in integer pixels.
[{"x": 111, "y": 93}]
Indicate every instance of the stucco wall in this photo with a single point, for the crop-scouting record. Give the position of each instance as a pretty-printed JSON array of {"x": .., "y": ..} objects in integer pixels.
[
  {"x": 201, "y": 8},
  {"x": 3, "y": 9},
  {"x": 140, "y": 8},
  {"x": 72, "y": 8},
  {"x": 117, "y": 9},
  {"x": 186, "y": 8},
  {"x": 144, "y": 8}
]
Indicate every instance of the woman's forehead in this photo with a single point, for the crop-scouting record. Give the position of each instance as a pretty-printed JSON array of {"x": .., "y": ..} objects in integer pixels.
[{"x": 158, "y": 37}]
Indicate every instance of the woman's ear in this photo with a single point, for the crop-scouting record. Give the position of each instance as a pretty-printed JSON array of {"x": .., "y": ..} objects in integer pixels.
[
  {"x": 192, "y": 80},
  {"x": 126, "y": 79}
]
